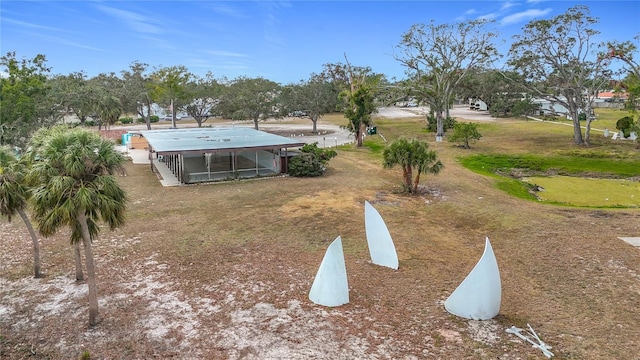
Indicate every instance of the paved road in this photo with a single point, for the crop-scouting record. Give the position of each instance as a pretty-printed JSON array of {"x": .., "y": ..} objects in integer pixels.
[{"x": 458, "y": 111}]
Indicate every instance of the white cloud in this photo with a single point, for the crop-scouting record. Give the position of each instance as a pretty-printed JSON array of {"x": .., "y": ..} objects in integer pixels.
[
  {"x": 524, "y": 16},
  {"x": 506, "y": 5},
  {"x": 489, "y": 16},
  {"x": 226, "y": 10},
  {"x": 29, "y": 25},
  {"x": 64, "y": 41},
  {"x": 135, "y": 21},
  {"x": 470, "y": 12},
  {"x": 225, "y": 53}
]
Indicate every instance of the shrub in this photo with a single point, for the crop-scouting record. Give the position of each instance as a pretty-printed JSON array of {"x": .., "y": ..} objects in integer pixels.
[
  {"x": 311, "y": 162},
  {"x": 432, "y": 125},
  {"x": 306, "y": 165},
  {"x": 126, "y": 120},
  {"x": 89, "y": 123},
  {"x": 625, "y": 124},
  {"x": 152, "y": 118},
  {"x": 465, "y": 133}
]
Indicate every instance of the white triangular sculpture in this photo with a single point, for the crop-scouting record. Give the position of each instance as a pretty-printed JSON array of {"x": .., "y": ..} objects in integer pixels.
[
  {"x": 330, "y": 287},
  {"x": 381, "y": 247},
  {"x": 479, "y": 295}
]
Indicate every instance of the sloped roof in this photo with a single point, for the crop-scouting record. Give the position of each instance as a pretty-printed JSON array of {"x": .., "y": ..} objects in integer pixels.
[
  {"x": 611, "y": 94},
  {"x": 169, "y": 141}
]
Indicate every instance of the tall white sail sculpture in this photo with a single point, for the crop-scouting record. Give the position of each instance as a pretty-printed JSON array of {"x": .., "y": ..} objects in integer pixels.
[
  {"x": 381, "y": 247},
  {"x": 330, "y": 287},
  {"x": 479, "y": 295}
]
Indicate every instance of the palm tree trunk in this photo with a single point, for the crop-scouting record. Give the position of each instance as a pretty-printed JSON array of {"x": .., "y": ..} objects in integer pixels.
[
  {"x": 36, "y": 244},
  {"x": 91, "y": 273},
  {"x": 78, "y": 259},
  {"x": 409, "y": 178},
  {"x": 415, "y": 184}
]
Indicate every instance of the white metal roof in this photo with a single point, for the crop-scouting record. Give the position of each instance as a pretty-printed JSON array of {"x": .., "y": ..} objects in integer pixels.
[{"x": 214, "y": 139}]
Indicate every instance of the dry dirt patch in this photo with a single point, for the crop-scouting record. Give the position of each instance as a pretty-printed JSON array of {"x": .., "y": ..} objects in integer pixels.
[{"x": 223, "y": 272}]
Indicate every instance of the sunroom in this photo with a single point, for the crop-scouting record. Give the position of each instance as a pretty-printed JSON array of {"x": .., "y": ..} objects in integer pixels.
[{"x": 196, "y": 155}]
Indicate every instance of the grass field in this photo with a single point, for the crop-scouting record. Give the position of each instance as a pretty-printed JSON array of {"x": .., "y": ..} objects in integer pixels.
[{"x": 223, "y": 271}]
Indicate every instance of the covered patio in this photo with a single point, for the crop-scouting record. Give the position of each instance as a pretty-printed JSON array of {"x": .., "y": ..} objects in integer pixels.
[{"x": 215, "y": 154}]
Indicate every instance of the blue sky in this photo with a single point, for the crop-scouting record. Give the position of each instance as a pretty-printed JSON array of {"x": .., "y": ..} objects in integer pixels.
[{"x": 284, "y": 41}]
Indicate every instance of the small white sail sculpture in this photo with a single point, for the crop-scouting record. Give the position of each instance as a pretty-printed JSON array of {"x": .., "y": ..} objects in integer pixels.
[
  {"x": 330, "y": 287},
  {"x": 381, "y": 247},
  {"x": 479, "y": 295}
]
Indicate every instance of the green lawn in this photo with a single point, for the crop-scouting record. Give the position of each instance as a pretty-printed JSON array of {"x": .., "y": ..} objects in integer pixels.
[{"x": 587, "y": 192}]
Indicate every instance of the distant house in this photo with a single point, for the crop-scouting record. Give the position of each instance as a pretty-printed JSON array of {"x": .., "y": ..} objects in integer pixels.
[
  {"x": 547, "y": 107},
  {"x": 212, "y": 154}
]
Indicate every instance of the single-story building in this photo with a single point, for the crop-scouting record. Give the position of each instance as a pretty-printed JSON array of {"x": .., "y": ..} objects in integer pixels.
[{"x": 212, "y": 154}]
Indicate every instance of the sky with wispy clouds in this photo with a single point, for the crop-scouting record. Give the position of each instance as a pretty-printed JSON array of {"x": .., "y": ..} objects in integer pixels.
[{"x": 284, "y": 41}]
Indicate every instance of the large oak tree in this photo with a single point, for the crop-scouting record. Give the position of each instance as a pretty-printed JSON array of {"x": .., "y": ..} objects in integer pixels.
[
  {"x": 558, "y": 59},
  {"x": 438, "y": 57}
]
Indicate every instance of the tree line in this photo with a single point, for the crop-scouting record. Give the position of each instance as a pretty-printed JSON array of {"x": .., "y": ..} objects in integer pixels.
[{"x": 554, "y": 59}]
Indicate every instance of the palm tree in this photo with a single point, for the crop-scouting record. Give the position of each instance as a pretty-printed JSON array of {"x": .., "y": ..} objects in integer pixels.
[
  {"x": 36, "y": 143},
  {"x": 410, "y": 155},
  {"x": 76, "y": 187},
  {"x": 14, "y": 194}
]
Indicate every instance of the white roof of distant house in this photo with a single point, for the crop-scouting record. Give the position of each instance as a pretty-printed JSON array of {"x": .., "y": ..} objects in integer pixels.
[{"x": 197, "y": 140}]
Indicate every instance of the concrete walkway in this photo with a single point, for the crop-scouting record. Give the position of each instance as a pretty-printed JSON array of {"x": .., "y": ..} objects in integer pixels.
[{"x": 141, "y": 156}]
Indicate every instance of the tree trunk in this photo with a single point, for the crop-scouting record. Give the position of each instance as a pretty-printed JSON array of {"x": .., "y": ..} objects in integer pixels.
[
  {"x": 315, "y": 125},
  {"x": 36, "y": 244},
  {"x": 587, "y": 132},
  {"x": 439, "y": 126},
  {"x": 577, "y": 131},
  {"x": 148, "y": 117},
  {"x": 78, "y": 259},
  {"x": 359, "y": 134},
  {"x": 91, "y": 272},
  {"x": 415, "y": 184},
  {"x": 408, "y": 178},
  {"x": 255, "y": 123}
]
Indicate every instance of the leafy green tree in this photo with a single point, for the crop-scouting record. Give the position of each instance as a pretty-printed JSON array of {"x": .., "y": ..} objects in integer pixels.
[
  {"x": 311, "y": 162},
  {"x": 66, "y": 92},
  {"x": 558, "y": 62},
  {"x": 311, "y": 98},
  {"x": 439, "y": 57},
  {"x": 169, "y": 88},
  {"x": 107, "y": 99},
  {"x": 75, "y": 186},
  {"x": 360, "y": 107},
  {"x": 137, "y": 87},
  {"x": 204, "y": 94},
  {"x": 14, "y": 193},
  {"x": 465, "y": 133},
  {"x": 358, "y": 88},
  {"x": 412, "y": 156},
  {"x": 255, "y": 99},
  {"x": 23, "y": 91}
]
